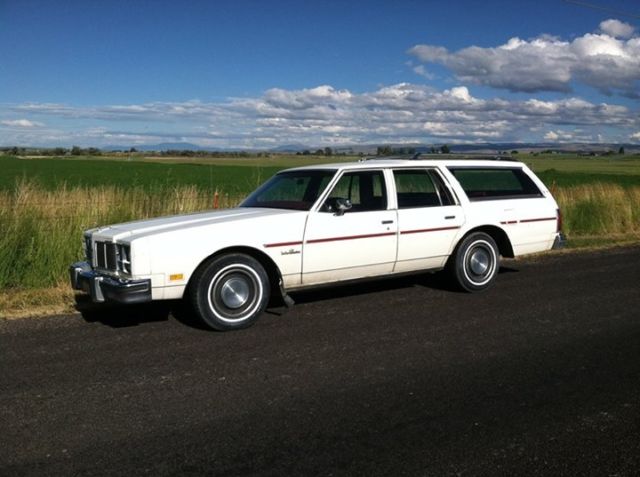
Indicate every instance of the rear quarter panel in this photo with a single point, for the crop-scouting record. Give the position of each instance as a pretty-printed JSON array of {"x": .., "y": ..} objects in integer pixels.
[{"x": 530, "y": 223}]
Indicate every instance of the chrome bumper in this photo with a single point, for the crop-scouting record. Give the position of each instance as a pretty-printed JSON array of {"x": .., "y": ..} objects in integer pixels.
[{"x": 104, "y": 288}]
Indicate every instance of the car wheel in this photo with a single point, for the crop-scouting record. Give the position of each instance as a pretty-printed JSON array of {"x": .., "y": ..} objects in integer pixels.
[
  {"x": 475, "y": 263},
  {"x": 230, "y": 292}
]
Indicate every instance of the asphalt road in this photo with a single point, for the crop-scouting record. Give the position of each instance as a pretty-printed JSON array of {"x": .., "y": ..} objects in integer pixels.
[{"x": 538, "y": 376}]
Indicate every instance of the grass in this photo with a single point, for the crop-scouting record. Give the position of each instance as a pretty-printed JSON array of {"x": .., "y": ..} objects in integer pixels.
[
  {"x": 240, "y": 176},
  {"x": 615, "y": 164},
  {"x": 43, "y": 228},
  {"x": 599, "y": 210},
  {"x": 235, "y": 176},
  {"x": 593, "y": 242},
  {"x": 21, "y": 303},
  {"x": 55, "y": 173},
  {"x": 569, "y": 170},
  {"x": 49, "y": 202}
]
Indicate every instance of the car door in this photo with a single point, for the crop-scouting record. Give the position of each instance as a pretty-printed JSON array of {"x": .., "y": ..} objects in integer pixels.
[
  {"x": 428, "y": 219},
  {"x": 354, "y": 243}
]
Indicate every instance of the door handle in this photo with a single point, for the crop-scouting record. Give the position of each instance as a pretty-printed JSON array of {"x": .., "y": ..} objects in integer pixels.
[
  {"x": 387, "y": 222},
  {"x": 449, "y": 217}
]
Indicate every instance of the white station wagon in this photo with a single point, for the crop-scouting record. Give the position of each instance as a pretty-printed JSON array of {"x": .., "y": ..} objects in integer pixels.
[{"x": 318, "y": 225}]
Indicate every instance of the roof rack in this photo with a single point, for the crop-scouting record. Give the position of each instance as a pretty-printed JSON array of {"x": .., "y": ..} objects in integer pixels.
[
  {"x": 390, "y": 158},
  {"x": 426, "y": 157}
]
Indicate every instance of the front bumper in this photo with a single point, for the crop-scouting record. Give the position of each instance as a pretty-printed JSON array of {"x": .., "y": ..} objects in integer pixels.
[
  {"x": 104, "y": 288},
  {"x": 559, "y": 242}
]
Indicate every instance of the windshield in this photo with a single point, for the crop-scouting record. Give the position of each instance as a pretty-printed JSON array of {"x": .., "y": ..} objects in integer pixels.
[{"x": 295, "y": 190}]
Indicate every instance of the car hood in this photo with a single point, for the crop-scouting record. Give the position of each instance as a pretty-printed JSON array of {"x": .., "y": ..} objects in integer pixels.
[{"x": 141, "y": 228}]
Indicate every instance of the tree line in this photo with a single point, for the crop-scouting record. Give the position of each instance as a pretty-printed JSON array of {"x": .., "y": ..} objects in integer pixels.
[{"x": 406, "y": 151}]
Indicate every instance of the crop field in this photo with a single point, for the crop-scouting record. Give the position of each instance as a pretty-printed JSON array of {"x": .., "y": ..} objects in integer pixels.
[
  {"x": 571, "y": 170},
  {"x": 238, "y": 176},
  {"x": 46, "y": 203},
  {"x": 54, "y": 173}
]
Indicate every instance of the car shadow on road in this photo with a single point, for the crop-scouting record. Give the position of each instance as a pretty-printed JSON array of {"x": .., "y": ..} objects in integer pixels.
[
  {"x": 436, "y": 281},
  {"x": 125, "y": 316},
  {"x": 364, "y": 287}
]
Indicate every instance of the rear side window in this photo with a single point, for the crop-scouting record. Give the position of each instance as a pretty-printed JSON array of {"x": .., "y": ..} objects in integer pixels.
[
  {"x": 495, "y": 183},
  {"x": 415, "y": 189},
  {"x": 420, "y": 188}
]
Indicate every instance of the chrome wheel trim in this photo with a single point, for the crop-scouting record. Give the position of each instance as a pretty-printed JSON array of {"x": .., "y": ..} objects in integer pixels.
[
  {"x": 479, "y": 262},
  {"x": 235, "y": 292},
  {"x": 246, "y": 279}
]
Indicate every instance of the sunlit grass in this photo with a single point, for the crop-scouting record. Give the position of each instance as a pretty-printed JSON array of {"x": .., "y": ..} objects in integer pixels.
[
  {"x": 599, "y": 209},
  {"x": 42, "y": 229}
]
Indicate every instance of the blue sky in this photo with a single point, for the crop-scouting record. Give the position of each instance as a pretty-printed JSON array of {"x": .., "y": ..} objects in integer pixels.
[{"x": 251, "y": 74}]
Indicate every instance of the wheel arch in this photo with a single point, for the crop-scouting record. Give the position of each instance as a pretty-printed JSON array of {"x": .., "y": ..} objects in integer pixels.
[
  {"x": 273, "y": 272},
  {"x": 497, "y": 234}
]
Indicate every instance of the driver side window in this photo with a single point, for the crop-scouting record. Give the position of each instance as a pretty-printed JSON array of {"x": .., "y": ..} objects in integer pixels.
[{"x": 365, "y": 190}]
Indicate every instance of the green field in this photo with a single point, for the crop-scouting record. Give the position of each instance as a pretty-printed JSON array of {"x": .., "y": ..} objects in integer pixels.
[
  {"x": 571, "y": 170},
  {"x": 233, "y": 176},
  {"x": 240, "y": 176},
  {"x": 53, "y": 173}
]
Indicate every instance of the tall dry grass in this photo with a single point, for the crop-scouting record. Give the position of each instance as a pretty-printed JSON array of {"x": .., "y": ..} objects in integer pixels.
[
  {"x": 599, "y": 209},
  {"x": 41, "y": 230}
]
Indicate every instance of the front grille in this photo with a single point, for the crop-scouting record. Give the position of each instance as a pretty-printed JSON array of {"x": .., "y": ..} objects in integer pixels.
[{"x": 114, "y": 257}]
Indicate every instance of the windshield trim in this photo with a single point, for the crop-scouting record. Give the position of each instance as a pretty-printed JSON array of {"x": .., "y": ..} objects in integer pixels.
[{"x": 317, "y": 174}]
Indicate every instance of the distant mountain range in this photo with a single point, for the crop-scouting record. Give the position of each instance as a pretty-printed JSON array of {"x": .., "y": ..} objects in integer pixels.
[
  {"x": 165, "y": 146},
  {"x": 372, "y": 148},
  {"x": 292, "y": 148}
]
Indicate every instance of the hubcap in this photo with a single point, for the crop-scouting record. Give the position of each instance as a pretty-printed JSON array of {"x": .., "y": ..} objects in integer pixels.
[
  {"x": 479, "y": 262},
  {"x": 235, "y": 292}
]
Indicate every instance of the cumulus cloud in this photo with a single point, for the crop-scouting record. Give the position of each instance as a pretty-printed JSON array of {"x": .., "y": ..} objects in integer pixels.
[
  {"x": 570, "y": 136},
  {"x": 635, "y": 136},
  {"x": 616, "y": 28},
  {"x": 608, "y": 61},
  {"x": 324, "y": 115},
  {"x": 21, "y": 123}
]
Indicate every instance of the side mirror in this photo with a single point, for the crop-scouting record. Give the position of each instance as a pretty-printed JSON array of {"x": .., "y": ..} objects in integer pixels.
[
  {"x": 337, "y": 205},
  {"x": 342, "y": 205}
]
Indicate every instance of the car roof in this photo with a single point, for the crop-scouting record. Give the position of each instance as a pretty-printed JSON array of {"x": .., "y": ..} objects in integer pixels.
[{"x": 387, "y": 163}]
